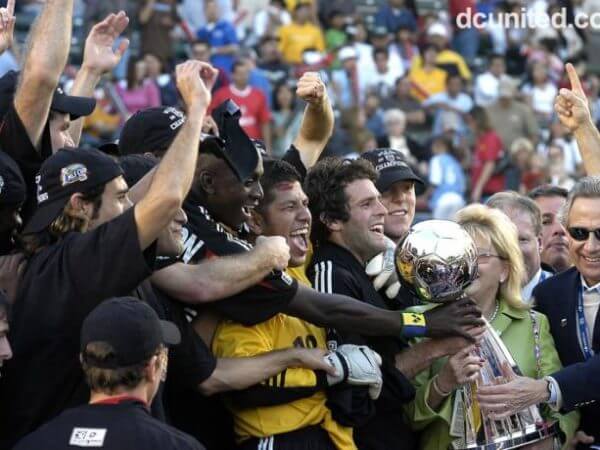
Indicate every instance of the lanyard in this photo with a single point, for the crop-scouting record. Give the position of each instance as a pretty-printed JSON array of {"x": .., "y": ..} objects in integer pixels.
[
  {"x": 583, "y": 329},
  {"x": 543, "y": 276}
]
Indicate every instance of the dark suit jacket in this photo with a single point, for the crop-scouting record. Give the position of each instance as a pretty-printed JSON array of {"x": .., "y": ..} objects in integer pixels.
[{"x": 579, "y": 381}]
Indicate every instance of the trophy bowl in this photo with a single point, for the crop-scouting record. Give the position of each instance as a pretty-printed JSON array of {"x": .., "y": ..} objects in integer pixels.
[{"x": 437, "y": 260}]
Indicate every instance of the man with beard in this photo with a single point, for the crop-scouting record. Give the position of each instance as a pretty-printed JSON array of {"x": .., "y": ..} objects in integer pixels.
[
  {"x": 555, "y": 251},
  {"x": 83, "y": 232},
  {"x": 349, "y": 232},
  {"x": 526, "y": 216}
]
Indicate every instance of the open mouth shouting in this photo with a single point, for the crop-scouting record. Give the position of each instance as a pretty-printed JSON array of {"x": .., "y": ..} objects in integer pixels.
[{"x": 298, "y": 238}]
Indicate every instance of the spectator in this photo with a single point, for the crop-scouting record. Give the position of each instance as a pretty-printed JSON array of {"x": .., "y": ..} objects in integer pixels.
[
  {"x": 395, "y": 125},
  {"x": 257, "y": 77},
  {"x": 487, "y": 155},
  {"x": 395, "y": 15},
  {"x": 374, "y": 115},
  {"x": 453, "y": 101},
  {"x": 202, "y": 50},
  {"x": 221, "y": 36},
  {"x": 349, "y": 81},
  {"x": 287, "y": 118},
  {"x": 103, "y": 124},
  {"x": 572, "y": 156},
  {"x": 447, "y": 180},
  {"x": 300, "y": 35},
  {"x": 540, "y": 94},
  {"x": 538, "y": 172},
  {"x": 558, "y": 176},
  {"x": 512, "y": 119},
  {"x": 256, "y": 116},
  {"x": 267, "y": 21},
  {"x": 449, "y": 60},
  {"x": 270, "y": 62},
  {"x": 164, "y": 81},
  {"x": 427, "y": 78},
  {"x": 335, "y": 36},
  {"x": 158, "y": 18},
  {"x": 381, "y": 39},
  {"x": 405, "y": 46},
  {"x": 465, "y": 40},
  {"x": 412, "y": 108},
  {"x": 486, "y": 84},
  {"x": 521, "y": 152},
  {"x": 383, "y": 80},
  {"x": 358, "y": 36},
  {"x": 138, "y": 91}
]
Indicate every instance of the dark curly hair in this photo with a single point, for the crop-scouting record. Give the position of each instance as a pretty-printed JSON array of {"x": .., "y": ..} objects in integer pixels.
[
  {"x": 276, "y": 171},
  {"x": 324, "y": 186}
]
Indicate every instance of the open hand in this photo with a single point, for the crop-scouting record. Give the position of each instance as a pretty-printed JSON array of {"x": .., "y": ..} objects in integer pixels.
[
  {"x": 99, "y": 55},
  {"x": 194, "y": 82}
]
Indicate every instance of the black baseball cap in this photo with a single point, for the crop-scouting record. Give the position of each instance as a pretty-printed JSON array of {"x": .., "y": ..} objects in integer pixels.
[
  {"x": 131, "y": 328},
  {"x": 391, "y": 167},
  {"x": 68, "y": 104},
  {"x": 135, "y": 167},
  {"x": 13, "y": 189},
  {"x": 68, "y": 171},
  {"x": 150, "y": 129}
]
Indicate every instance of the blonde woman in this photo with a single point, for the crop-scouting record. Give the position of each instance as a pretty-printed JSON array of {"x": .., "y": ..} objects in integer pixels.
[{"x": 497, "y": 291}]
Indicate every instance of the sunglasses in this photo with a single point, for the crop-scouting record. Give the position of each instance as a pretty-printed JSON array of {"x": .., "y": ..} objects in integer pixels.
[{"x": 582, "y": 234}]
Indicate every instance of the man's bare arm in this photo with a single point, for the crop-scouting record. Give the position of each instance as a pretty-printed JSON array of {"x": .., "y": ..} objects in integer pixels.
[
  {"x": 221, "y": 277},
  {"x": 241, "y": 373},
  {"x": 317, "y": 122},
  {"x": 98, "y": 58},
  {"x": 49, "y": 44}
]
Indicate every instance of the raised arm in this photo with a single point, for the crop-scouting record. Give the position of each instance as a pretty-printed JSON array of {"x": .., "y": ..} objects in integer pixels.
[
  {"x": 49, "y": 44},
  {"x": 317, "y": 122},
  {"x": 573, "y": 110},
  {"x": 224, "y": 276},
  {"x": 173, "y": 177},
  {"x": 98, "y": 58}
]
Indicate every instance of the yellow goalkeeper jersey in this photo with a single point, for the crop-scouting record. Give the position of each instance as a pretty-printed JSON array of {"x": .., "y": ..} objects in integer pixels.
[{"x": 280, "y": 332}]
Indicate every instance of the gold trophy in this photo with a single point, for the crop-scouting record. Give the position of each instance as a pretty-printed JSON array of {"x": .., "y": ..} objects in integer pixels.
[{"x": 436, "y": 262}]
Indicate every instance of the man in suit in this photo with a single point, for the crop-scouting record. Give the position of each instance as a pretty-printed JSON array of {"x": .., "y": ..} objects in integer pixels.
[{"x": 570, "y": 300}]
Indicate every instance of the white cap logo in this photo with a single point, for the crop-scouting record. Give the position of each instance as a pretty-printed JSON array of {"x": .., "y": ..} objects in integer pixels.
[{"x": 72, "y": 174}]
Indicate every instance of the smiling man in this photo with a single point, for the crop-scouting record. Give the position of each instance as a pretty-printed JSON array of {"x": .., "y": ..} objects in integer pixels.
[
  {"x": 349, "y": 232},
  {"x": 570, "y": 300}
]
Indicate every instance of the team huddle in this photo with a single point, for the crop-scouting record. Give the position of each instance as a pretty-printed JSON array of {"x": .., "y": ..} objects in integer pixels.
[{"x": 183, "y": 289}]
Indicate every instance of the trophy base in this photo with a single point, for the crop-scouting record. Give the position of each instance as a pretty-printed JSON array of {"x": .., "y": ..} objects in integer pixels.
[{"x": 532, "y": 438}]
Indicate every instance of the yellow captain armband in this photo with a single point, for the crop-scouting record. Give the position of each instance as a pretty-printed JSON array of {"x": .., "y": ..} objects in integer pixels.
[{"x": 414, "y": 325}]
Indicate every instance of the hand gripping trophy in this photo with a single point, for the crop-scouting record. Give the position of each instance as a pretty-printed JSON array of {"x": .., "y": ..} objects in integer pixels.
[{"x": 436, "y": 262}]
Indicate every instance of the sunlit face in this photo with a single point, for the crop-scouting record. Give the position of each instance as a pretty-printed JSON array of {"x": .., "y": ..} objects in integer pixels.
[
  {"x": 555, "y": 245},
  {"x": 59, "y": 124},
  {"x": 400, "y": 201},
  {"x": 115, "y": 202},
  {"x": 491, "y": 271},
  {"x": 288, "y": 215},
  {"x": 363, "y": 232},
  {"x": 585, "y": 254}
]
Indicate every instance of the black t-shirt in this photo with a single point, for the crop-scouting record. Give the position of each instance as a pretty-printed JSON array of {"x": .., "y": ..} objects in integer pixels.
[
  {"x": 126, "y": 425},
  {"x": 61, "y": 284},
  {"x": 206, "y": 238},
  {"x": 335, "y": 270},
  {"x": 15, "y": 141}
]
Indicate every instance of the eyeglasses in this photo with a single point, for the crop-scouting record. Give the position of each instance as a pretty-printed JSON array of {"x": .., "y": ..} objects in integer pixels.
[
  {"x": 582, "y": 234},
  {"x": 485, "y": 257}
]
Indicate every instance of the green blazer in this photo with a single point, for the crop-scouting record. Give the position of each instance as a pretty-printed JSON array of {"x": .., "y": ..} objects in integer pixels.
[{"x": 515, "y": 327}]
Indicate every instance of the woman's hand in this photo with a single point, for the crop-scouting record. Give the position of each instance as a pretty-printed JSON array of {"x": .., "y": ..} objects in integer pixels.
[{"x": 462, "y": 367}]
